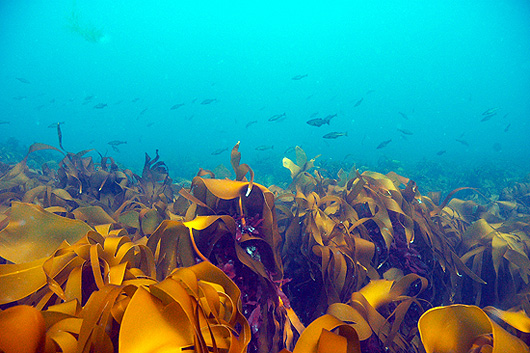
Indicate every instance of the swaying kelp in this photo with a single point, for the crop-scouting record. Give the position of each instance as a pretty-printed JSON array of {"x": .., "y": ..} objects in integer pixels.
[{"x": 98, "y": 259}]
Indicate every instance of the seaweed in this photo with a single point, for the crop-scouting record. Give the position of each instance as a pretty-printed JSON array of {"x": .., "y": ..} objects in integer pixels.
[{"x": 97, "y": 258}]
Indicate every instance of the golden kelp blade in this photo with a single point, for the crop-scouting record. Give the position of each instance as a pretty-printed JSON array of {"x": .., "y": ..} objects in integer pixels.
[
  {"x": 455, "y": 328},
  {"x": 17, "y": 281},
  {"x": 33, "y": 233}
]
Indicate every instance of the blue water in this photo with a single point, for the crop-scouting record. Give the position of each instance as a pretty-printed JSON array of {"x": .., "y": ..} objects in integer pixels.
[{"x": 440, "y": 63}]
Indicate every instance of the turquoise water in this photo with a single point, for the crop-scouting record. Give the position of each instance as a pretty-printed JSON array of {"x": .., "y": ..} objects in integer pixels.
[{"x": 418, "y": 73}]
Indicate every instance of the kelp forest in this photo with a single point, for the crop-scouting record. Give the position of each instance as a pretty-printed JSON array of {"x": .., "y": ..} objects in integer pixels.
[{"x": 96, "y": 258}]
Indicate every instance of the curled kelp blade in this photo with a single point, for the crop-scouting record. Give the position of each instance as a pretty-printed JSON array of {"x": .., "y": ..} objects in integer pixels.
[{"x": 456, "y": 328}]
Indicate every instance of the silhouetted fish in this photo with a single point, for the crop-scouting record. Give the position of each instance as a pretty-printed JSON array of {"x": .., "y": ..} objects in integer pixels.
[
  {"x": 507, "y": 127},
  {"x": 404, "y": 115},
  {"x": 116, "y": 142},
  {"x": 358, "y": 103},
  {"x": 335, "y": 134},
  {"x": 405, "y": 132},
  {"x": 100, "y": 105},
  {"x": 264, "y": 148},
  {"x": 464, "y": 142},
  {"x": 319, "y": 121},
  {"x": 490, "y": 111},
  {"x": 277, "y": 117},
  {"x": 19, "y": 98},
  {"x": 439, "y": 153},
  {"x": 4, "y": 122},
  {"x": 250, "y": 123},
  {"x": 298, "y": 77},
  {"x": 487, "y": 117},
  {"x": 209, "y": 101},
  {"x": 143, "y": 111},
  {"x": 135, "y": 100},
  {"x": 22, "y": 79},
  {"x": 383, "y": 144},
  {"x": 313, "y": 115},
  {"x": 176, "y": 106},
  {"x": 219, "y": 151}
]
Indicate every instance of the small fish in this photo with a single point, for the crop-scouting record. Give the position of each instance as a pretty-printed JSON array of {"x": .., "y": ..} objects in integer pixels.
[
  {"x": 507, "y": 127},
  {"x": 176, "y": 106},
  {"x": 60, "y": 135},
  {"x": 370, "y": 91},
  {"x": 404, "y": 115},
  {"x": 115, "y": 148},
  {"x": 383, "y": 144},
  {"x": 358, "y": 103},
  {"x": 250, "y": 123},
  {"x": 135, "y": 100},
  {"x": 491, "y": 111},
  {"x": 149, "y": 124},
  {"x": 19, "y": 98},
  {"x": 87, "y": 98},
  {"x": 289, "y": 149},
  {"x": 439, "y": 153},
  {"x": 53, "y": 125},
  {"x": 4, "y": 122},
  {"x": 143, "y": 111},
  {"x": 22, "y": 79},
  {"x": 464, "y": 142},
  {"x": 264, "y": 148},
  {"x": 116, "y": 142},
  {"x": 487, "y": 117},
  {"x": 313, "y": 115},
  {"x": 335, "y": 134},
  {"x": 277, "y": 117},
  {"x": 219, "y": 151},
  {"x": 209, "y": 101},
  {"x": 319, "y": 121},
  {"x": 405, "y": 132},
  {"x": 100, "y": 105},
  {"x": 497, "y": 147},
  {"x": 298, "y": 77}
]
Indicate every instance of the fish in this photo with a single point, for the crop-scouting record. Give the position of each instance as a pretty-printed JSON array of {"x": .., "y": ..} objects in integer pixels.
[
  {"x": 507, "y": 127},
  {"x": 439, "y": 153},
  {"x": 277, "y": 117},
  {"x": 497, "y": 147},
  {"x": 404, "y": 115},
  {"x": 298, "y": 77},
  {"x": 116, "y": 142},
  {"x": 491, "y": 111},
  {"x": 209, "y": 101},
  {"x": 115, "y": 148},
  {"x": 4, "y": 122},
  {"x": 464, "y": 142},
  {"x": 487, "y": 117},
  {"x": 264, "y": 148},
  {"x": 176, "y": 106},
  {"x": 60, "y": 136},
  {"x": 289, "y": 149},
  {"x": 53, "y": 125},
  {"x": 143, "y": 111},
  {"x": 219, "y": 151},
  {"x": 250, "y": 123},
  {"x": 383, "y": 144},
  {"x": 319, "y": 121},
  {"x": 313, "y": 115},
  {"x": 358, "y": 103},
  {"x": 405, "y": 132},
  {"x": 22, "y": 79},
  {"x": 335, "y": 134},
  {"x": 100, "y": 105},
  {"x": 19, "y": 98},
  {"x": 87, "y": 98},
  {"x": 135, "y": 100}
]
